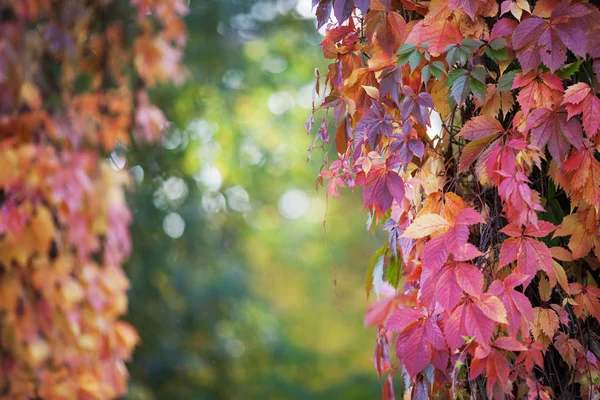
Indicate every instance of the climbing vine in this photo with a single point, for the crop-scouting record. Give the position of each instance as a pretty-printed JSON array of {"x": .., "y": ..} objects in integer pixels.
[
  {"x": 73, "y": 96},
  {"x": 472, "y": 128}
]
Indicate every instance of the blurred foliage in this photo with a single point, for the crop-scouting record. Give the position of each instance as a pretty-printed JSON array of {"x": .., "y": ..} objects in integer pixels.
[{"x": 236, "y": 290}]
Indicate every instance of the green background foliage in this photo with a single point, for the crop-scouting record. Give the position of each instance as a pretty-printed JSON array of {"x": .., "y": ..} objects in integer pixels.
[{"x": 246, "y": 303}]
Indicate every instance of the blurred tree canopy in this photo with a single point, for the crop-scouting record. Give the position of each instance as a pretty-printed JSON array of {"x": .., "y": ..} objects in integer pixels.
[{"x": 236, "y": 290}]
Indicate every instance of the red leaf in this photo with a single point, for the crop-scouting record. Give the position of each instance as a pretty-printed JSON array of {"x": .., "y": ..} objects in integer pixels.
[
  {"x": 480, "y": 127},
  {"x": 518, "y": 307},
  {"x": 534, "y": 256},
  {"x": 448, "y": 292},
  {"x": 469, "y": 278},
  {"x": 553, "y": 128},
  {"x": 402, "y": 318},
  {"x": 587, "y": 299},
  {"x": 580, "y": 100},
  {"x": 491, "y": 307},
  {"x": 416, "y": 355},
  {"x": 509, "y": 343},
  {"x": 502, "y": 28},
  {"x": 468, "y": 6},
  {"x": 543, "y": 229},
  {"x": 539, "y": 40},
  {"x": 531, "y": 255},
  {"x": 382, "y": 186},
  {"x": 569, "y": 349},
  {"x": 435, "y": 253},
  {"x": 537, "y": 90},
  {"x": 478, "y": 324},
  {"x": 417, "y": 333},
  {"x": 439, "y": 34},
  {"x": 454, "y": 328}
]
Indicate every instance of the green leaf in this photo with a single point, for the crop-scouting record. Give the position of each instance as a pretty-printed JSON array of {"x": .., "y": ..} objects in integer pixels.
[
  {"x": 461, "y": 89},
  {"x": 405, "y": 52},
  {"x": 497, "y": 44},
  {"x": 591, "y": 281},
  {"x": 437, "y": 73},
  {"x": 480, "y": 73},
  {"x": 506, "y": 81},
  {"x": 393, "y": 271},
  {"x": 439, "y": 65},
  {"x": 406, "y": 48},
  {"x": 479, "y": 89},
  {"x": 454, "y": 75},
  {"x": 497, "y": 55},
  {"x": 403, "y": 59},
  {"x": 369, "y": 277},
  {"x": 426, "y": 74},
  {"x": 451, "y": 56},
  {"x": 414, "y": 60},
  {"x": 449, "y": 47},
  {"x": 471, "y": 44},
  {"x": 463, "y": 56},
  {"x": 568, "y": 70}
]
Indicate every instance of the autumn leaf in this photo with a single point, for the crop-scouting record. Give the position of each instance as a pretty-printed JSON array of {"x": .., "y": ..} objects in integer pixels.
[
  {"x": 496, "y": 100},
  {"x": 388, "y": 29},
  {"x": 539, "y": 40},
  {"x": 515, "y": 7},
  {"x": 531, "y": 255},
  {"x": 532, "y": 356},
  {"x": 425, "y": 225},
  {"x": 447, "y": 287},
  {"x": 474, "y": 317},
  {"x": 587, "y": 300},
  {"x": 537, "y": 89},
  {"x": 497, "y": 370},
  {"x": 509, "y": 343},
  {"x": 554, "y": 129},
  {"x": 579, "y": 99},
  {"x": 383, "y": 185},
  {"x": 468, "y": 6},
  {"x": 580, "y": 177},
  {"x": 513, "y": 145},
  {"x": 583, "y": 230},
  {"x": 439, "y": 34},
  {"x": 519, "y": 311},
  {"x": 406, "y": 147},
  {"x": 544, "y": 323},
  {"x": 323, "y": 12},
  {"x": 472, "y": 151},
  {"x": 452, "y": 241},
  {"x": 569, "y": 349},
  {"x": 376, "y": 124},
  {"x": 419, "y": 335},
  {"x": 342, "y": 9},
  {"x": 415, "y": 104},
  {"x": 480, "y": 127}
]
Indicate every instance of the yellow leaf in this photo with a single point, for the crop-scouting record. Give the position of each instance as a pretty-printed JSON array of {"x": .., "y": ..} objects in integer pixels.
[
  {"x": 561, "y": 254},
  {"x": 425, "y": 225},
  {"x": 561, "y": 276},
  {"x": 30, "y": 95},
  {"x": 544, "y": 288},
  {"x": 545, "y": 322},
  {"x": 440, "y": 100},
  {"x": 372, "y": 91},
  {"x": 42, "y": 228},
  {"x": 38, "y": 351}
]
